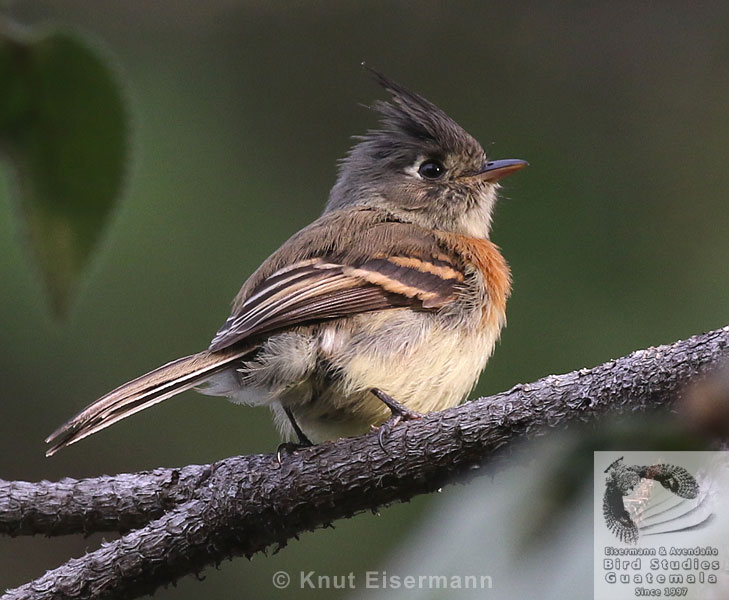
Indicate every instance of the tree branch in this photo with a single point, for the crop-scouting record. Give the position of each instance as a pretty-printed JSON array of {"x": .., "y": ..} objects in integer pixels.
[
  {"x": 108, "y": 503},
  {"x": 243, "y": 505}
]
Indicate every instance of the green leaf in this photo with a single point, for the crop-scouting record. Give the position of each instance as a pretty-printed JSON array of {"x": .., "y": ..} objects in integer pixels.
[{"x": 63, "y": 126}]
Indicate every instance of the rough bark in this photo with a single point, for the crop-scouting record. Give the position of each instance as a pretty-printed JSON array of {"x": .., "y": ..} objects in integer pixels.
[{"x": 187, "y": 519}]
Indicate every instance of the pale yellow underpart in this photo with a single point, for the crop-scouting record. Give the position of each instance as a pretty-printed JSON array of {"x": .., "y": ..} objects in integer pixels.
[
  {"x": 435, "y": 373},
  {"x": 421, "y": 359}
]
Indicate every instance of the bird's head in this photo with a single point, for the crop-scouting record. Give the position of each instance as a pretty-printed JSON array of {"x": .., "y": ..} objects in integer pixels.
[{"x": 421, "y": 166}]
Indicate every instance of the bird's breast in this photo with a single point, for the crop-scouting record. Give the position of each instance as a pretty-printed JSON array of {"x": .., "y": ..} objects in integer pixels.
[{"x": 489, "y": 286}]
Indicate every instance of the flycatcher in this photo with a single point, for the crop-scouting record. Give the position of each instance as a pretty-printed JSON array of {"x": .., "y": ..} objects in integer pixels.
[{"x": 395, "y": 292}]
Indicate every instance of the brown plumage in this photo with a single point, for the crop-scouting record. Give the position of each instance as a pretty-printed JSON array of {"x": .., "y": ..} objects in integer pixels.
[
  {"x": 140, "y": 393},
  {"x": 492, "y": 266},
  {"x": 347, "y": 266},
  {"x": 396, "y": 287}
]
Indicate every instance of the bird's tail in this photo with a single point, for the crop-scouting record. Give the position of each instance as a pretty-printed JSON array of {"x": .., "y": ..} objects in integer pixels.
[{"x": 142, "y": 392}]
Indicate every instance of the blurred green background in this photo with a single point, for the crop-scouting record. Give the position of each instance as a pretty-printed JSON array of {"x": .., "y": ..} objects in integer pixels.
[{"x": 617, "y": 233}]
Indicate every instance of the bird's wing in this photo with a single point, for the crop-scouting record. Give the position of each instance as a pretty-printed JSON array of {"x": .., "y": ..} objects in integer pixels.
[
  {"x": 323, "y": 288},
  {"x": 617, "y": 518},
  {"x": 672, "y": 477}
]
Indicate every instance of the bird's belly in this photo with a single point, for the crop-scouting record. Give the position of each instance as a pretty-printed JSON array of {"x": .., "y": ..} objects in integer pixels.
[
  {"x": 324, "y": 373},
  {"x": 423, "y": 362}
]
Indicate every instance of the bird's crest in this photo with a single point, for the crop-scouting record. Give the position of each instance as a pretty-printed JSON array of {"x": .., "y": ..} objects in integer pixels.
[{"x": 412, "y": 116}]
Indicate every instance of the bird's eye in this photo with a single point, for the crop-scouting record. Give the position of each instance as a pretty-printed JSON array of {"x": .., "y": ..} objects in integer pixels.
[{"x": 431, "y": 169}]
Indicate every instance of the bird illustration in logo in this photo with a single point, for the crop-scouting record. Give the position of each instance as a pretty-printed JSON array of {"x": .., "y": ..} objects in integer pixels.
[{"x": 622, "y": 481}]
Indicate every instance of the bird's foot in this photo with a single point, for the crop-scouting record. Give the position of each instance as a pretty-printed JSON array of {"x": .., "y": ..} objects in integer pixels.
[
  {"x": 292, "y": 447},
  {"x": 399, "y": 412}
]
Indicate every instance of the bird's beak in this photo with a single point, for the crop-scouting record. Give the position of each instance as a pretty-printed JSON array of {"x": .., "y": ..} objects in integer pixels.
[{"x": 494, "y": 170}]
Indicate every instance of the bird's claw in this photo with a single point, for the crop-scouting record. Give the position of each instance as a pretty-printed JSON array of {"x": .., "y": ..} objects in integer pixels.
[
  {"x": 289, "y": 448},
  {"x": 399, "y": 412}
]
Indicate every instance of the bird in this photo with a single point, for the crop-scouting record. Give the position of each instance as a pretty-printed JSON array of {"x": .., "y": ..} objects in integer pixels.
[
  {"x": 622, "y": 480},
  {"x": 385, "y": 307}
]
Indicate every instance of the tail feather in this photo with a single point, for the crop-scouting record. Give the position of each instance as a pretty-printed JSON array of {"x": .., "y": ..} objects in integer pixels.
[{"x": 140, "y": 393}]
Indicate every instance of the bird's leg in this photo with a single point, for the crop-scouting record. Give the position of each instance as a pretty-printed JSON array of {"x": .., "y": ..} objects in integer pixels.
[
  {"x": 399, "y": 412},
  {"x": 291, "y": 447}
]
